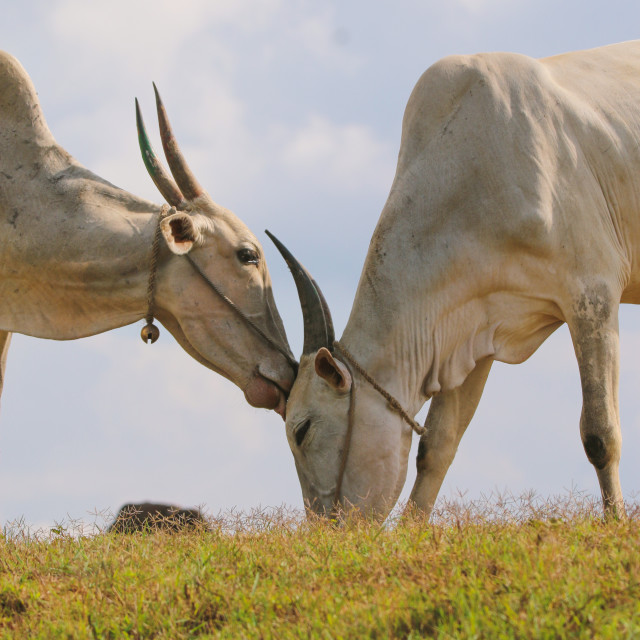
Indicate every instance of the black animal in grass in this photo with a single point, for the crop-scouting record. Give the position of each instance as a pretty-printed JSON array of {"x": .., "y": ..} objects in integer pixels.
[{"x": 150, "y": 516}]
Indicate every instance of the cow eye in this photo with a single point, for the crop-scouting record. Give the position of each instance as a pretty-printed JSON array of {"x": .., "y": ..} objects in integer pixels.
[
  {"x": 301, "y": 432},
  {"x": 248, "y": 256}
]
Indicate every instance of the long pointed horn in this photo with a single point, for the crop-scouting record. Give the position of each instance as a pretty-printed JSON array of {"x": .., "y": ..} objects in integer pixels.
[
  {"x": 167, "y": 187},
  {"x": 318, "y": 325},
  {"x": 178, "y": 165}
]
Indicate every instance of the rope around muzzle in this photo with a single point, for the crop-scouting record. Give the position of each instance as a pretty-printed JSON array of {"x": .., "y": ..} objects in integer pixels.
[{"x": 150, "y": 331}]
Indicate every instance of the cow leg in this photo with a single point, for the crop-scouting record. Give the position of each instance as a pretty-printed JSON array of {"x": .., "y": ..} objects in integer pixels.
[
  {"x": 5, "y": 340},
  {"x": 594, "y": 331},
  {"x": 449, "y": 415}
]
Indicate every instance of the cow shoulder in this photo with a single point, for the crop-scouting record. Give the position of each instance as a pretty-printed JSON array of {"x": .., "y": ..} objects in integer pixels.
[{"x": 486, "y": 162}]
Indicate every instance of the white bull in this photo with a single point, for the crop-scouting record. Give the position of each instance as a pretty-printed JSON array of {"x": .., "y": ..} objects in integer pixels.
[
  {"x": 515, "y": 207},
  {"x": 76, "y": 255}
]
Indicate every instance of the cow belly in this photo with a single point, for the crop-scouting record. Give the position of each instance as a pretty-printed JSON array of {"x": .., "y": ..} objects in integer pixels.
[
  {"x": 631, "y": 295},
  {"x": 507, "y": 327}
]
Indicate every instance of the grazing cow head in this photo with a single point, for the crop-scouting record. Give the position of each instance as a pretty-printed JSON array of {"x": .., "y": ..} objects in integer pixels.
[
  {"x": 342, "y": 460},
  {"x": 229, "y": 256}
]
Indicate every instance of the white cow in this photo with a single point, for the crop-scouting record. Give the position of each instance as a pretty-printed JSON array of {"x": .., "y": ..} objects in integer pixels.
[
  {"x": 515, "y": 207},
  {"x": 76, "y": 255}
]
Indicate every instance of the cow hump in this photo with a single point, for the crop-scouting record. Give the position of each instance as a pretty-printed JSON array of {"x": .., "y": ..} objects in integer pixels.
[{"x": 21, "y": 118}]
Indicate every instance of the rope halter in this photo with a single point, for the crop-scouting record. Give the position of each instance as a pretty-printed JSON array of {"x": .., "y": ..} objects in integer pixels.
[
  {"x": 393, "y": 403},
  {"x": 150, "y": 331}
]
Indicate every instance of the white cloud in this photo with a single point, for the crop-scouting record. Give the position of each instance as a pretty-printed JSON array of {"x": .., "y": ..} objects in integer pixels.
[
  {"x": 172, "y": 388},
  {"x": 196, "y": 53},
  {"x": 139, "y": 35},
  {"x": 321, "y": 35},
  {"x": 145, "y": 30},
  {"x": 128, "y": 421},
  {"x": 348, "y": 157},
  {"x": 479, "y": 7}
]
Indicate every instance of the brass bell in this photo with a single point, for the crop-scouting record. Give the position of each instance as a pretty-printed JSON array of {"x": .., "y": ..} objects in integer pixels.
[{"x": 149, "y": 333}]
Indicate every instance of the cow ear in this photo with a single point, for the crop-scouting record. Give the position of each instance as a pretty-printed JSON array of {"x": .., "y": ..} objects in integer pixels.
[
  {"x": 181, "y": 231},
  {"x": 332, "y": 371}
]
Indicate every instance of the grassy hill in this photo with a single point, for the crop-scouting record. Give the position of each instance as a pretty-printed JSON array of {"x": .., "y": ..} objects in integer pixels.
[{"x": 517, "y": 568}]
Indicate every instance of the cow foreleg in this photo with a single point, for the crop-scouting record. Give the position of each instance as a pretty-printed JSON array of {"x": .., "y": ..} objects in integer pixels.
[
  {"x": 447, "y": 420},
  {"x": 594, "y": 330},
  {"x": 5, "y": 340}
]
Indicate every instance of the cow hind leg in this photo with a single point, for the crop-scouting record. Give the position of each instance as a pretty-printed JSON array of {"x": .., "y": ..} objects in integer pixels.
[
  {"x": 594, "y": 331},
  {"x": 447, "y": 420},
  {"x": 5, "y": 340}
]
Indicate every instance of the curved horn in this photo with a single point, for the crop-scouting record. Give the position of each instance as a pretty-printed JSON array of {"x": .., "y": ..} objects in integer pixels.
[
  {"x": 167, "y": 187},
  {"x": 178, "y": 165},
  {"x": 318, "y": 325}
]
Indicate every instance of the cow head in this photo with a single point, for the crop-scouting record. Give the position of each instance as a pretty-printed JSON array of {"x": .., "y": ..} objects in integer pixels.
[
  {"x": 323, "y": 426},
  {"x": 228, "y": 255}
]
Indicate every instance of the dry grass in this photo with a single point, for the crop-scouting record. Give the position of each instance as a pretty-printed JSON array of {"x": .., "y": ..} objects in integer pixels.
[{"x": 507, "y": 567}]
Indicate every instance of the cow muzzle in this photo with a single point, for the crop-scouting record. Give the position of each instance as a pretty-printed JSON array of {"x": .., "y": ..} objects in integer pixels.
[{"x": 266, "y": 394}]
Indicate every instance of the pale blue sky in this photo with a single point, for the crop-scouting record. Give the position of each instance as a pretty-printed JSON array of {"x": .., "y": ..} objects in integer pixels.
[{"x": 289, "y": 112}]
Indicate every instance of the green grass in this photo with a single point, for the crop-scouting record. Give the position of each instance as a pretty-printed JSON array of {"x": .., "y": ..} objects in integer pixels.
[{"x": 520, "y": 568}]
